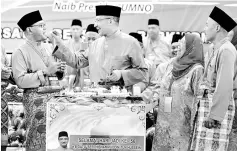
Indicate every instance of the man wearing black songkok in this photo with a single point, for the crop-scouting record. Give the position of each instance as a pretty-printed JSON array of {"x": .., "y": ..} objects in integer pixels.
[
  {"x": 63, "y": 140},
  {"x": 115, "y": 56},
  {"x": 91, "y": 35},
  {"x": 32, "y": 67},
  {"x": 216, "y": 104},
  {"x": 156, "y": 49},
  {"x": 233, "y": 135},
  {"x": 75, "y": 45}
]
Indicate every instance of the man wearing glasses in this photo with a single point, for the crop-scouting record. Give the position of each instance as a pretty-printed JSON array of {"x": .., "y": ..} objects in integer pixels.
[
  {"x": 115, "y": 56},
  {"x": 32, "y": 67}
]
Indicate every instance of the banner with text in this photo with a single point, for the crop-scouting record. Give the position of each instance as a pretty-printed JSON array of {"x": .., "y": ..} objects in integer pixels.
[
  {"x": 97, "y": 127},
  {"x": 80, "y": 6}
]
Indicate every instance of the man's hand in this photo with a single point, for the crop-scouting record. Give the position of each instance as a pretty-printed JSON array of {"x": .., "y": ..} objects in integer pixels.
[
  {"x": 50, "y": 37},
  {"x": 155, "y": 97},
  {"x": 116, "y": 75},
  {"x": 63, "y": 66},
  {"x": 211, "y": 123},
  {"x": 56, "y": 36},
  {"x": 147, "y": 96},
  {"x": 52, "y": 69}
]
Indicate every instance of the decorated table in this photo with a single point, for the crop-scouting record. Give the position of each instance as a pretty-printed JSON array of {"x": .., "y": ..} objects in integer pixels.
[
  {"x": 113, "y": 117},
  {"x": 97, "y": 119}
]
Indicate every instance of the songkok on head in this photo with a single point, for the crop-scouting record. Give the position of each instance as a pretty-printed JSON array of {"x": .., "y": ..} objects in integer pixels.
[
  {"x": 137, "y": 36},
  {"x": 176, "y": 38},
  {"x": 108, "y": 10},
  {"x": 153, "y": 22},
  {"x": 224, "y": 20},
  {"x": 76, "y": 22},
  {"x": 62, "y": 133},
  {"x": 29, "y": 19},
  {"x": 91, "y": 28}
]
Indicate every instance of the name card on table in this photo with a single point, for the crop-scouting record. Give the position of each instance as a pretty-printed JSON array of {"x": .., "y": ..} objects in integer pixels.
[
  {"x": 168, "y": 104},
  {"x": 136, "y": 90},
  {"x": 97, "y": 126},
  {"x": 15, "y": 149}
]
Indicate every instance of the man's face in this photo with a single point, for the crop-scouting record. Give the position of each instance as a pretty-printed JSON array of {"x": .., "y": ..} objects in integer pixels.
[
  {"x": 210, "y": 30},
  {"x": 39, "y": 31},
  {"x": 102, "y": 24},
  {"x": 91, "y": 36},
  {"x": 153, "y": 31},
  {"x": 63, "y": 141},
  {"x": 76, "y": 31}
]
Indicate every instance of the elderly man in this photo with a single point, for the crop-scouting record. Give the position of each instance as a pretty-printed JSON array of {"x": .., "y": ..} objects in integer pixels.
[
  {"x": 216, "y": 104},
  {"x": 32, "y": 68},
  {"x": 115, "y": 56},
  {"x": 156, "y": 49}
]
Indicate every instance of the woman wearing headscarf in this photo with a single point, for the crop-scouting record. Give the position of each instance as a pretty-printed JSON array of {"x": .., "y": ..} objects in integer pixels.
[
  {"x": 233, "y": 135},
  {"x": 175, "y": 116}
]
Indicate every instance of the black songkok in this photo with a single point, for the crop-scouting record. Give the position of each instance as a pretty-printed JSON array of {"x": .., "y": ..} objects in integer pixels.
[
  {"x": 29, "y": 19},
  {"x": 153, "y": 22},
  {"x": 91, "y": 28},
  {"x": 137, "y": 36},
  {"x": 108, "y": 10},
  {"x": 176, "y": 37},
  {"x": 62, "y": 133},
  {"x": 76, "y": 22},
  {"x": 224, "y": 20}
]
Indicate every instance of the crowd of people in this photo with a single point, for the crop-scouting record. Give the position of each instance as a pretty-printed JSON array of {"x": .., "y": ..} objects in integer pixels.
[{"x": 193, "y": 92}]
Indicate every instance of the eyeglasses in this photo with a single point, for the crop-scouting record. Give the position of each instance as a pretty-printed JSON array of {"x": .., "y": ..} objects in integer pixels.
[
  {"x": 97, "y": 20},
  {"x": 40, "y": 25}
]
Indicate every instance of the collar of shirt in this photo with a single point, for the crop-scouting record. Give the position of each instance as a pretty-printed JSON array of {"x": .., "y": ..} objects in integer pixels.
[
  {"x": 34, "y": 43},
  {"x": 155, "y": 43},
  {"x": 220, "y": 43},
  {"x": 61, "y": 148},
  {"x": 114, "y": 35}
]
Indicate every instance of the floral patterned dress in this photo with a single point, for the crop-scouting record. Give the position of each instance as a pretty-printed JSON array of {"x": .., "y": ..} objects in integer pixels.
[{"x": 174, "y": 129}]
